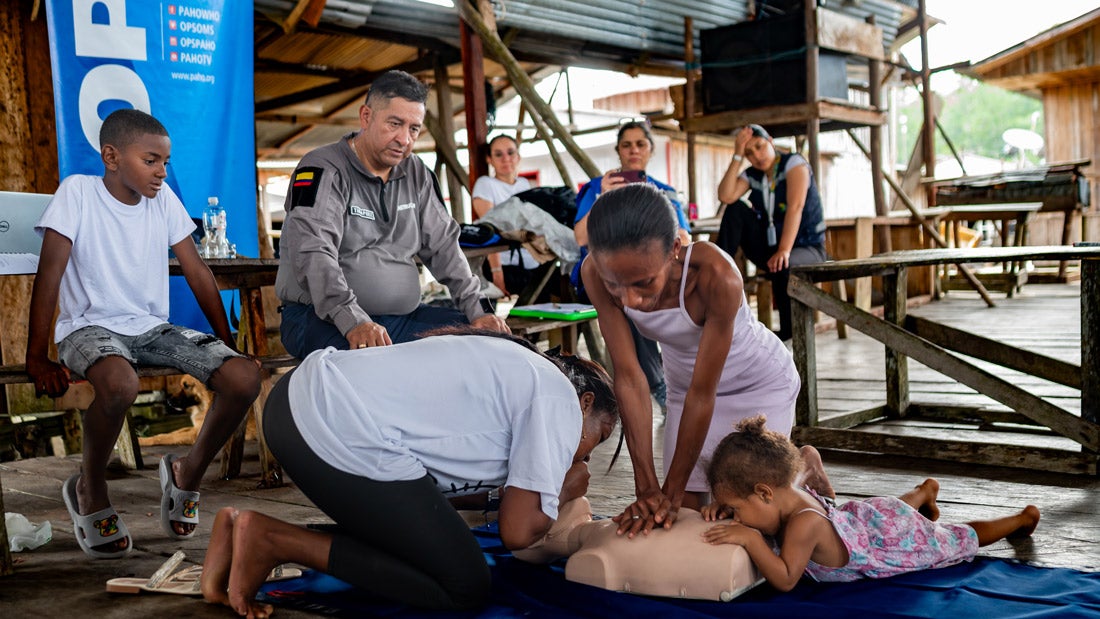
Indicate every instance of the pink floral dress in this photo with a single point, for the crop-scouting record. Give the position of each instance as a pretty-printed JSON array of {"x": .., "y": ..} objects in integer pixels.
[{"x": 885, "y": 537}]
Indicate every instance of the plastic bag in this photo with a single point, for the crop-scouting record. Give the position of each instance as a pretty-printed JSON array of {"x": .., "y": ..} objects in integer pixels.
[{"x": 23, "y": 535}]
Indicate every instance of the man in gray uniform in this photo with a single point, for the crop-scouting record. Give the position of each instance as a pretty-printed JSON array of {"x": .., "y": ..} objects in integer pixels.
[{"x": 358, "y": 214}]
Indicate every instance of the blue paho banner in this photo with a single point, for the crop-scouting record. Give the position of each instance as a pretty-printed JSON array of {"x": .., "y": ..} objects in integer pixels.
[{"x": 189, "y": 64}]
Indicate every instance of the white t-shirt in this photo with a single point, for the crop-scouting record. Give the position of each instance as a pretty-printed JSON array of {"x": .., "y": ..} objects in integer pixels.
[
  {"x": 117, "y": 275},
  {"x": 496, "y": 191},
  {"x": 474, "y": 412}
]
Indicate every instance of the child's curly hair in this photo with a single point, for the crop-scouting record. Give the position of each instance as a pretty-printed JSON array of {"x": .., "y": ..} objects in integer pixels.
[{"x": 752, "y": 455}]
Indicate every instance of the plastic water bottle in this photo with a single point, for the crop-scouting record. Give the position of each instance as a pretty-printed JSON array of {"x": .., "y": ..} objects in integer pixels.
[{"x": 215, "y": 243}]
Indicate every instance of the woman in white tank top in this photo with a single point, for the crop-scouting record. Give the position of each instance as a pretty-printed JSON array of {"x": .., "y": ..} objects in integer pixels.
[{"x": 720, "y": 363}]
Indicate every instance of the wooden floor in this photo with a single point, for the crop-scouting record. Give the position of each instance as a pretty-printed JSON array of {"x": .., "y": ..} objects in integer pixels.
[{"x": 1068, "y": 536}]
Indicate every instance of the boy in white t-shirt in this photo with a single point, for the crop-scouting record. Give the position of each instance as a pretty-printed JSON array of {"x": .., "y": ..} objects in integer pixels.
[{"x": 104, "y": 263}]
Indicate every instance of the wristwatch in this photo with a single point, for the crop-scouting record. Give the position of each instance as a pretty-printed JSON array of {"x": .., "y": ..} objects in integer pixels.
[
  {"x": 493, "y": 502},
  {"x": 737, "y": 157}
]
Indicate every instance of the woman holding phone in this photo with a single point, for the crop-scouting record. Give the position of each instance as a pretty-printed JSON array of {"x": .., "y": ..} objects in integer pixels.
[{"x": 634, "y": 144}]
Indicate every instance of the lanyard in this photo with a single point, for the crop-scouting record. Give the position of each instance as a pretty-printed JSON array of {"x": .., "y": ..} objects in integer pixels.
[{"x": 768, "y": 191}]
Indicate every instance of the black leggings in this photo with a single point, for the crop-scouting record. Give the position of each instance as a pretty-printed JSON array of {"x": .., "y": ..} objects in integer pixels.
[
  {"x": 400, "y": 540},
  {"x": 741, "y": 229}
]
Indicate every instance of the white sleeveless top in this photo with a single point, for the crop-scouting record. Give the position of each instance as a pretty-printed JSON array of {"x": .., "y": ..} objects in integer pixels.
[{"x": 757, "y": 358}]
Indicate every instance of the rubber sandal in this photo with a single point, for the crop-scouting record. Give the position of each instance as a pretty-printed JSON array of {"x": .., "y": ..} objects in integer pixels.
[
  {"x": 176, "y": 505},
  {"x": 92, "y": 530},
  {"x": 183, "y": 582}
]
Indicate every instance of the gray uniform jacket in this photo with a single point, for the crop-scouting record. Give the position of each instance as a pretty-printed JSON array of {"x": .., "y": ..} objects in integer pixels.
[{"x": 349, "y": 241}]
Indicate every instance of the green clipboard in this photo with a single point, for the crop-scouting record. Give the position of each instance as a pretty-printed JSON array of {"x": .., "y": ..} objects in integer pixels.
[{"x": 555, "y": 311}]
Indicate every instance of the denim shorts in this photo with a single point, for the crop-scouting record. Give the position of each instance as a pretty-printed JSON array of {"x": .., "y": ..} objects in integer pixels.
[{"x": 187, "y": 350}]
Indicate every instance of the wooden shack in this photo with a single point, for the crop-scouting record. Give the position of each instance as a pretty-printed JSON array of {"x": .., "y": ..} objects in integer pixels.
[{"x": 1061, "y": 67}]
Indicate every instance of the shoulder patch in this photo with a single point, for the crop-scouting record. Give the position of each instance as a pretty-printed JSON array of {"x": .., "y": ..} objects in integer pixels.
[{"x": 303, "y": 186}]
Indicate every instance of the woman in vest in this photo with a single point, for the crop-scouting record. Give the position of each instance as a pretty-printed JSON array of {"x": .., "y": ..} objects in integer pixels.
[{"x": 784, "y": 225}]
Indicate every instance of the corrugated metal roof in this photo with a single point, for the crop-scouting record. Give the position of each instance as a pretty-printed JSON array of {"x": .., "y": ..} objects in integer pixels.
[
  {"x": 309, "y": 81},
  {"x": 644, "y": 27}
]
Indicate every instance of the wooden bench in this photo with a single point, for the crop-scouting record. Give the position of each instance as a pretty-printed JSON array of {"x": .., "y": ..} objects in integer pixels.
[
  {"x": 942, "y": 348},
  {"x": 563, "y": 332},
  {"x": 128, "y": 449}
]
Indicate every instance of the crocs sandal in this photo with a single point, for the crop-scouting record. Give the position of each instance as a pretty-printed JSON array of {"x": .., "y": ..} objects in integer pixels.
[
  {"x": 184, "y": 582},
  {"x": 93, "y": 530},
  {"x": 176, "y": 505}
]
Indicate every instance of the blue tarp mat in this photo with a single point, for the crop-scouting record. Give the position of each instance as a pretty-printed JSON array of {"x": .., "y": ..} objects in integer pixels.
[{"x": 983, "y": 588}]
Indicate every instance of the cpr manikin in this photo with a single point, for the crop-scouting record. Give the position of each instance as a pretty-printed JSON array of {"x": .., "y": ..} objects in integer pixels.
[{"x": 672, "y": 562}]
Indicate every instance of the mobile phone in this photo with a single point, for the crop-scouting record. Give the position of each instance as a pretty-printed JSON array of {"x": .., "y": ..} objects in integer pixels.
[{"x": 631, "y": 176}]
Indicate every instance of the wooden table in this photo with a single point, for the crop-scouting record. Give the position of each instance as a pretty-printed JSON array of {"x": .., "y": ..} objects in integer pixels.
[
  {"x": 1012, "y": 276},
  {"x": 247, "y": 276},
  {"x": 934, "y": 345}
]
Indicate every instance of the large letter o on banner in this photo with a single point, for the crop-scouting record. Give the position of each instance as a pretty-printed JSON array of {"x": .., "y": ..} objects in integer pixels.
[{"x": 108, "y": 82}]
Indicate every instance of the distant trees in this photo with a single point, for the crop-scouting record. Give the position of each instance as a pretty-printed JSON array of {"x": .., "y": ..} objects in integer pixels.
[{"x": 974, "y": 115}]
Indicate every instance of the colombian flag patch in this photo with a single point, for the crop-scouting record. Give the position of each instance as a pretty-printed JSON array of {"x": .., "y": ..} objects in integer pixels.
[{"x": 303, "y": 186}]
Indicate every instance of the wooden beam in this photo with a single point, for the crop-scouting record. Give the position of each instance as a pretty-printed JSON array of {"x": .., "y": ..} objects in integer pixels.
[
  {"x": 444, "y": 140},
  {"x": 813, "y": 122},
  {"x": 895, "y": 286},
  {"x": 424, "y": 63},
  {"x": 476, "y": 107},
  {"x": 929, "y": 129},
  {"x": 971, "y": 345},
  {"x": 1036, "y": 458},
  {"x": 786, "y": 114},
  {"x": 902, "y": 342},
  {"x": 450, "y": 156},
  {"x": 310, "y": 10},
  {"x": 874, "y": 84},
  {"x": 689, "y": 103},
  {"x": 1090, "y": 334},
  {"x": 525, "y": 87}
]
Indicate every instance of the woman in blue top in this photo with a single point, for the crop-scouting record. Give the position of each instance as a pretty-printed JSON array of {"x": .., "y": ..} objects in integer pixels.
[
  {"x": 784, "y": 225},
  {"x": 634, "y": 145}
]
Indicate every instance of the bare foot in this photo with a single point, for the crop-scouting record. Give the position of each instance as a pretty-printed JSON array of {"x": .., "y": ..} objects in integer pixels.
[
  {"x": 1030, "y": 516},
  {"x": 254, "y": 556},
  {"x": 923, "y": 498},
  {"x": 813, "y": 473},
  {"x": 219, "y": 557},
  {"x": 929, "y": 508}
]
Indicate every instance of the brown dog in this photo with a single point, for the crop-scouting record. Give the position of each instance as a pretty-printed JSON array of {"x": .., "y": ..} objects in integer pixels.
[{"x": 191, "y": 389}]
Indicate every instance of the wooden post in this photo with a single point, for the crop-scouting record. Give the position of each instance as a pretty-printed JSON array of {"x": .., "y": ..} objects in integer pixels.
[
  {"x": 1090, "y": 331},
  {"x": 447, "y": 131},
  {"x": 519, "y": 124},
  {"x": 449, "y": 154},
  {"x": 473, "y": 77},
  {"x": 525, "y": 87},
  {"x": 544, "y": 133},
  {"x": 813, "y": 124},
  {"x": 803, "y": 346},
  {"x": 929, "y": 129},
  {"x": 894, "y": 289},
  {"x": 874, "y": 84},
  {"x": 864, "y": 231},
  {"x": 689, "y": 105},
  {"x": 28, "y": 135}
]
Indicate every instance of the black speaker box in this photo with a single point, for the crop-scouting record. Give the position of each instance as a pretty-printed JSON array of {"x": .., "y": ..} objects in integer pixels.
[{"x": 760, "y": 63}]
